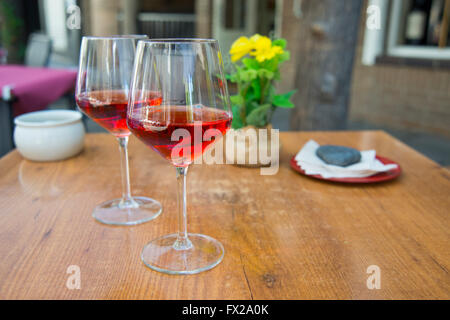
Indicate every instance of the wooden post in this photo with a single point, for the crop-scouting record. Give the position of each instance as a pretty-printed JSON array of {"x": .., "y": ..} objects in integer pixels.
[
  {"x": 203, "y": 10},
  {"x": 103, "y": 17},
  {"x": 322, "y": 37},
  {"x": 86, "y": 17},
  {"x": 444, "y": 27},
  {"x": 130, "y": 11}
]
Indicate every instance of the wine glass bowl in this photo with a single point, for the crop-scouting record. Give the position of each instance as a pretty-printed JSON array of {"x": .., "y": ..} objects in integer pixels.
[
  {"x": 157, "y": 131},
  {"x": 179, "y": 106},
  {"x": 102, "y": 92},
  {"x": 107, "y": 108}
]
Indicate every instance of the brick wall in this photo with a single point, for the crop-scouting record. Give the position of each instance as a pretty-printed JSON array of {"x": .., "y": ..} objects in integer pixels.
[{"x": 400, "y": 96}]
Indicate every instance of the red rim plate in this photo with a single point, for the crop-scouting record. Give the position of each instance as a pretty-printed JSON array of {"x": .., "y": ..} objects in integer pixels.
[{"x": 379, "y": 177}]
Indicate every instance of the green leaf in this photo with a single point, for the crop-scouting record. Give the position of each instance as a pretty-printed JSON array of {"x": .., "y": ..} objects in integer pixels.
[
  {"x": 251, "y": 63},
  {"x": 232, "y": 77},
  {"x": 289, "y": 94},
  {"x": 264, "y": 73},
  {"x": 271, "y": 65},
  {"x": 251, "y": 105},
  {"x": 280, "y": 42},
  {"x": 248, "y": 75},
  {"x": 283, "y": 100},
  {"x": 270, "y": 90},
  {"x": 255, "y": 92},
  {"x": 277, "y": 75},
  {"x": 237, "y": 100},
  {"x": 285, "y": 56},
  {"x": 258, "y": 117},
  {"x": 237, "y": 121}
]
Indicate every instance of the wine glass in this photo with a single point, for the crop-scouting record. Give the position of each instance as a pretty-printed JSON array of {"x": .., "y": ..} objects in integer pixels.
[
  {"x": 102, "y": 90},
  {"x": 179, "y": 105}
]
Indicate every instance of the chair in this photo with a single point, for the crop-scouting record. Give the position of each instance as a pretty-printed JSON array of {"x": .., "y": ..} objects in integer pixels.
[
  {"x": 3, "y": 55},
  {"x": 39, "y": 48}
]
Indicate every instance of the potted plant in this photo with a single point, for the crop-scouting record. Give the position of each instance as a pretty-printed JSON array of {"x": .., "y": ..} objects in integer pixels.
[{"x": 256, "y": 61}]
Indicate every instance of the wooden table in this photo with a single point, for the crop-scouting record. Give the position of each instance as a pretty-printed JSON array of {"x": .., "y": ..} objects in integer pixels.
[{"x": 286, "y": 236}]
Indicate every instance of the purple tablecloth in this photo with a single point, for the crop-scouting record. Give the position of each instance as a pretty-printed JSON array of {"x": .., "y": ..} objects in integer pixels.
[{"x": 35, "y": 88}]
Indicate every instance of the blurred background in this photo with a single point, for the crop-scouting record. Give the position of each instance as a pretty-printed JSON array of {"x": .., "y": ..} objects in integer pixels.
[{"x": 356, "y": 64}]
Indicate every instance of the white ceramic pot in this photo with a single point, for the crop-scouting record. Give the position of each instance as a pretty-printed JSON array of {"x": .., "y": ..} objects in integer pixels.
[{"x": 49, "y": 135}]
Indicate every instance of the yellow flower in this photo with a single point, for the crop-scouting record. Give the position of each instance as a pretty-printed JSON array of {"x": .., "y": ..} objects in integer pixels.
[
  {"x": 257, "y": 46},
  {"x": 263, "y": 49},
  {"x": 256, "y": 37},
  {"x": 240, "y": 48}
]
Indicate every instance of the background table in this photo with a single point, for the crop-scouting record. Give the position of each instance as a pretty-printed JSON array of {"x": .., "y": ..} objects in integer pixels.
[
  {"x": 35, "y": 88},
  {"x": 32, "y": 89},
  {"x": 286, "y": 236}
]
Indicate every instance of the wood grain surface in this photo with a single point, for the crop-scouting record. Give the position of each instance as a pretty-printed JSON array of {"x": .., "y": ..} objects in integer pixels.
[{"x": 286, "y": 236}]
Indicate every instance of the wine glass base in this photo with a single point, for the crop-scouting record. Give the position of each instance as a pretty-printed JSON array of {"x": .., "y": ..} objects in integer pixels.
[
  {"x": 204, "y": 254},
  {"x": 115, "y": 212}
]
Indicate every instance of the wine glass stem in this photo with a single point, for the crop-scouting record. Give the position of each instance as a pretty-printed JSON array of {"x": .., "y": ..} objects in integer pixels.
[
  {"x": 182, "y": 242},
  {"x": 126, "y": 192}
]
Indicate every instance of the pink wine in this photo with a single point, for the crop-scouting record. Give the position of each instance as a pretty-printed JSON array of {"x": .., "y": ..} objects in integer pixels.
[
  {"x": 109, "y": 109},
  {"x": 158, "y": 125}
]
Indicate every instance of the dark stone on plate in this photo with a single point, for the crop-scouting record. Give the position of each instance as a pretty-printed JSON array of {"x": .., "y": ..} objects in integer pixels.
[{"x": 338, "y": 155}]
